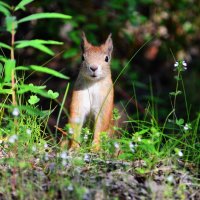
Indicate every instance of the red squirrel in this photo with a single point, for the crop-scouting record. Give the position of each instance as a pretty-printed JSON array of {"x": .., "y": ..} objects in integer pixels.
[{"x": 93, "y": 92}]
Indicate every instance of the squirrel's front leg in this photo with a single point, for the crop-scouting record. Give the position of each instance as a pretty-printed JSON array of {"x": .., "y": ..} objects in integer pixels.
[
  {"x": 102, "y": 123},
  {"x": 75, "y": 128}
]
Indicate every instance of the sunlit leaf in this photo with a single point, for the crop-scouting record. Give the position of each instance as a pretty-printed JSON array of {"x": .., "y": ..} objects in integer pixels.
[
  {"x": 5, "y": 5},
  {"x": 9, "y": 67},
  {"x": 22, "y": 4},
  {"x": 3, "y": 45},
  {"x": 53, "y": 95},
  {"x": 11, "y": 23},
  {"x": 33, "y": 99},
  {"x": 43, "y": 70},
  {"x": 4, "y": 10},
  {"x": 38, "y": 44},
  {"x": 44, "y": 16}
]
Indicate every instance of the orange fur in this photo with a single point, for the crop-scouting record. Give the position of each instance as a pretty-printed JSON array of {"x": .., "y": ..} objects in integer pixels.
[{"x": 93, "y": 92}]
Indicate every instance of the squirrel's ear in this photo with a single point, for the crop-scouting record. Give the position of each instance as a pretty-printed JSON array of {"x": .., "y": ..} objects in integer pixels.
[
  {"x": 109, "y": 44},
  {"x": 84, "y": 43}
]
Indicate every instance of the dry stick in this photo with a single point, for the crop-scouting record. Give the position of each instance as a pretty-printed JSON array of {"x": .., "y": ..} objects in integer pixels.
[{"x": 65, "y": 133}]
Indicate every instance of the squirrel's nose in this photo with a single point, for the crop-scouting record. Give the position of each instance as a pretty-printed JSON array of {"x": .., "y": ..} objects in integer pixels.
[{"x": 93, "y": 68}]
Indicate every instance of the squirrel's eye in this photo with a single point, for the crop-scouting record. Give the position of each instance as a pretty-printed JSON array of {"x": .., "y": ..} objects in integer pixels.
[
  {"x": 106, "y": 59},
  {"x": 83, "y": 58}
]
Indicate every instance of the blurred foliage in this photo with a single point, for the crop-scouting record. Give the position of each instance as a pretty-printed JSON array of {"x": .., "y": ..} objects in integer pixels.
[{"x": 172, "y": 26}]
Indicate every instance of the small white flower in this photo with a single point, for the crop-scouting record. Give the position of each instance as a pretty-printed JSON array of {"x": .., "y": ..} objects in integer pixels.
[
  {"x": 28, "y": 131},
  {"x": 70, "y": 187},
  {"x": 116, "y": 145},
  {"x": 46, "y": 156},
  {"x": 70, "y": 131},
  {"x": 132, "y": 147},
  {"x": 45, "y": 145},
  {"x": 85, "y": 137},
  {"x": 184, "y": 63},
  {"x": 15, "y": 112},
  {"x": 139, "y": 139},
  {"x": 180, "y": 154},
  {"x": 86, "y": 158},
  {"x": 12, "y": 138},
  {"x": 63, "y": 155},
  {"x": 170, "y": 178},
  {"x": 176, "y": 64},
  {"x": 64, "y": 162},
  {"x": 186, "y": 127},
  {"x": 34, "y": 148}
]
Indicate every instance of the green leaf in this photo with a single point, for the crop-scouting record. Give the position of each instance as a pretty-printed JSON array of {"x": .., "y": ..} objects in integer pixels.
[
  {"x": 25, "y": 43},
  {"x": 32, "y": 88},
  {"x": 11, "y": 23},
  {"x": 33, "y": 99},
  {"x": 5, "y": 5},
  {"x": 22, "y": 4},
  {"x": 180, "y": 121},
  {"x": 3, "y": 59},
  {"x": 3, "y": 45},
  {"x": 4, "y": 10},
  {"x": 38, "y": 44},
  {"x": 44, "y": 16},
  {"x": 40, "y": 47},
  {"x": 9, "y": 67},
  {"x": 70, "y": 53},
  {"x": 53, "y": 95},
  {"x": 175, "y": 93},
  {"x": 1, "y": 68},
  {"x": 43, "y": 70}
]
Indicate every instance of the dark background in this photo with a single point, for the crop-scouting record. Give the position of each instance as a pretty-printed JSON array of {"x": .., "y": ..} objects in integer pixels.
[{"x": 172, "y": 26}]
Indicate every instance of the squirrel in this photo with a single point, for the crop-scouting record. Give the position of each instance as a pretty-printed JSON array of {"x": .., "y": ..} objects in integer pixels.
[{"x": 93, "y": 94}]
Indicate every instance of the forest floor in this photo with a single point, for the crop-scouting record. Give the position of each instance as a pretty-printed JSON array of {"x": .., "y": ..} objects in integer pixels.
[{"x": 90, "y": 177}]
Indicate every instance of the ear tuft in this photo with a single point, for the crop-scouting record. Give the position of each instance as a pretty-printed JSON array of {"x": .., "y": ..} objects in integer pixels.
[
  {"x": 109, "y": 44},
  {"x": 84, "y": 43}
]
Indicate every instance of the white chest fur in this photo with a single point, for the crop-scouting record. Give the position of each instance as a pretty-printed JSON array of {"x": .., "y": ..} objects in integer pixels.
[{"x": 93, "y": 99}]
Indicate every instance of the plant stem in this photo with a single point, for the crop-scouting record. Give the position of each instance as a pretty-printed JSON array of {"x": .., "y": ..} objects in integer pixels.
[{"x": 12, "y": 56}]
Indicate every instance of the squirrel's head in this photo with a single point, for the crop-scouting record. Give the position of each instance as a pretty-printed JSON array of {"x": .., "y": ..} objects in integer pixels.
[{"x": 96, "y": 59}]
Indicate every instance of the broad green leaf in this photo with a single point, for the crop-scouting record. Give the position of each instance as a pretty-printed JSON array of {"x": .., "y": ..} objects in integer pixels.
[
  {"x": 4, "y": 10},
  {"x": 40, "y": 47},
  {"x": 3, "y": 45},
  {"x": 5, "y": 5},
  {"x": 53, "y": 95},
  {"x": 11, "y": 23},
  {"x": 32, "y": 88},
  {"x": 3, "y": 59},
  {"x": 5, "y": 91},
  {"x": 24, "y": 43},
  {"x": 38, "y": 44},
  {"x": 9, "y": 67},
  {"x": 43, "y": 70},
  {"x": 22, "y": 4},
  {"x": 33, "y": 99},
  {"x": 44, "y": 16},
  {"x": 180, "y": 121}
]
